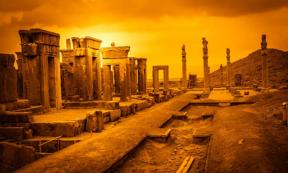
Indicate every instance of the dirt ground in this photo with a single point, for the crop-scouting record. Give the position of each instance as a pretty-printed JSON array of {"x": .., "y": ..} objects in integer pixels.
[{"x": 245, "y": 138}]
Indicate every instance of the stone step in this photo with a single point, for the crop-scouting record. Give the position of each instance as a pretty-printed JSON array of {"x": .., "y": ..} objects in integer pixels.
[{"x": 58, "y": 128}]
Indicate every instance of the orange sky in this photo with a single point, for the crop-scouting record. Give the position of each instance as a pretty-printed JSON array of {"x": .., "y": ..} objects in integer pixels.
[{"x": 155, "y": 29}]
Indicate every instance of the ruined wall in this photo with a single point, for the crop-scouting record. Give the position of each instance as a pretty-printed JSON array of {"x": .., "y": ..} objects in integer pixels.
[
  {"x": 250, "y": 69},
  {"x": 8, "y": 78}
]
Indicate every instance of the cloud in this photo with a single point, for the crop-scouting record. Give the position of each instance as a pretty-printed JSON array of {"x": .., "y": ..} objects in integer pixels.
[{"x": 87, "y": 12}]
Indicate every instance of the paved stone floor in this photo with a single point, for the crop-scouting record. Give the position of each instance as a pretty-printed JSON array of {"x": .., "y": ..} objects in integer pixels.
[{"x": 101, "y": 151}]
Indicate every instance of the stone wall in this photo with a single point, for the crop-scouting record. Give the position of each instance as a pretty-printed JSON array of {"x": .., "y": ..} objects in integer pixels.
[{"x": 250, "y": 69}]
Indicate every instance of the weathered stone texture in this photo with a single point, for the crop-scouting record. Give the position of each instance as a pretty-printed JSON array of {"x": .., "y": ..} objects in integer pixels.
[{"x": 8, "y": 78}]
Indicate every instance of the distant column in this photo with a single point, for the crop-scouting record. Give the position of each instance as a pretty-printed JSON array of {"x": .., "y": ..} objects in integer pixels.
[
  {"x": 133, "y": 75},
  {"x": 264, "y": 61},
  {"x": 205, "y": 63},
  {"x": 128, "y": 78},
  {"x": 221, "y": 75},
  {"x": 68, "y": 43},
  {"x": 155, "y": 79},
  {"x": 107, "y": 80},
  {"x": 166, "y": 78},
  {"x": 116, "y": 69},
  {"x": 184, "y": 71},
  {"x": 228, "y": 67},
  {"x": 142, "y": 75},
  {"x": 123, "y": 82}
]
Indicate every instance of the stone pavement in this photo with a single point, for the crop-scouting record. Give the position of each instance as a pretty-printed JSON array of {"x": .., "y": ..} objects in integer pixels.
[{"x": 102, "y": 151}]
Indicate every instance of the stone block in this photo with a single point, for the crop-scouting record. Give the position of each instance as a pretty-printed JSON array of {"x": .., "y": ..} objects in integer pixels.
[
  {"x": 111, "y": 105},
  {"x": 115, "y": 114},
  {"x": 91, "y": 122},
  {"x": 14, "y": 156},
  {"x": 60, "y": 128},
  {"x": 12, "y": 132}
]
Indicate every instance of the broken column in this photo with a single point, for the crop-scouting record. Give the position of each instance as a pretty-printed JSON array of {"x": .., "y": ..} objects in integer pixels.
[
  {"x": 142, "y": 75},
  {"x": 8, "y": 79},
  {"x": 205, "y": 63},
  {"x": 221, "y": 76},
  {"x": 264, "y": 62},
  {"x": 228, "y": 69},
  {"x": 41, "y": 67},
  {"x": 184, "y": 71},
  {"x": 107, "y": 80}
]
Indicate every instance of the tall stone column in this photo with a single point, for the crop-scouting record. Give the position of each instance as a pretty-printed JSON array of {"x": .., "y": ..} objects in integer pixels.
[
  {"x": 264, "y": 62},
  {"x": 107, "y": 80},
  {"x": 155, "y": 79},
  {"x": 142, "y": 75},
  {"x": 133, "y": 75},
  {"x": 116, "y": 69},
  {"x": 228, "y": 67},
  {"x": 128, "y": 78},
  {"x": 205, "y": 63},
  {"x": 98, "y": 84},
  {"x": 166, "y": 78},
  {"x": 184, "y": 71},
  {"x": 221, "y": 76},
  {"x": 123, "y": 82},
  {"x": 44, "y": 80},
  {"x": 58, "y": 93}
]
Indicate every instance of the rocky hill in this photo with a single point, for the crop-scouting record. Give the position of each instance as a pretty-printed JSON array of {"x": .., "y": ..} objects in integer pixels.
[{"x": 250, "y": 69}]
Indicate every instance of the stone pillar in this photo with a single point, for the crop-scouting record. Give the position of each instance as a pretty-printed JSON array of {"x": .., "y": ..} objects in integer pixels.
[
  {"x": 128, "y": 78},
  {"x": 58, "y": 93},
  {"x": 68, "y": 43},
  {"x": 123, "y": 82},
  {"x": 116, "y": 69},
  {"x": 97, "y": 85},
  {"x": 89, "y": 73},
  {"x": 133, "y": 75},
  {"x": 228, "y": 69},
  {"x": 184, "y": 71},
  {"x": 107, "y": 80},
  {"x": 205, "y": 63},
  {"x": 285, "y": 113},
  {"x": 264, "y": 62},
  {"x": 221, "y": 76},
  {"x": 155, "y": 79},
  {"x": 44, "y": 80},
  {"x": 166, "y": 78},
  {"x": 142, "y": 75},
  {"x": 8, "y": 78}
]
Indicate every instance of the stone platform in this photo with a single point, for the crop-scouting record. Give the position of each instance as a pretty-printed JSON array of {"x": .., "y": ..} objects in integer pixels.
[{"x": 103, "y": 151}]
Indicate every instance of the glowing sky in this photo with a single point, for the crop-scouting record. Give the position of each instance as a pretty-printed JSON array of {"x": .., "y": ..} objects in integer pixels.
[{"x": 155, "y": 29}]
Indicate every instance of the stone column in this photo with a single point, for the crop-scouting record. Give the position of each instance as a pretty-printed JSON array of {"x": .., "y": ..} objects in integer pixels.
[
  {"x": 228, "y": 69},
  {"x": 205, "y": 63},
  {"x": 116, "y": 69},
  {"x": 142, "y": 76},
  {"x": 264, "y": 62},
  {"x": 68, "y": 43},
  {"x": 89, "y": 73},
  {"x": 221, "y": 75},
  {"x": 166, "y": 78},
  {"x": 44, "y": 81},
  {"x": 123, "y": 82},
  {"x": 133, "y": 75},
  {"x": 107, "y": 80},
  {"x": 98, "y": 84},
  {"x": 155, "y": 79},
  {"x": 184, "y": 71},
  {"x": 58, "y": 93},
  {"x": 128, "y": 78}
]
